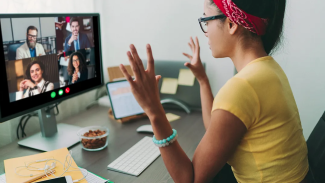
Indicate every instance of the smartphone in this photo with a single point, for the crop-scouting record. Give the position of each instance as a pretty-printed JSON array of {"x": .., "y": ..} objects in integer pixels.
[{"x": 66, "y": 179}]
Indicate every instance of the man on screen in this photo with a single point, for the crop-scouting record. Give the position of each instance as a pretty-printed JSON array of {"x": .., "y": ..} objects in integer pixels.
[
  {"x": 31, "y": 48},
  {"x": 76, "y": 40}
]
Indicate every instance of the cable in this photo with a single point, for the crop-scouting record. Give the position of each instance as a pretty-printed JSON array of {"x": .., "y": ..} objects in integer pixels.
[
  {"x": 23, "y": 134},
  {"x": 48, "y": 170},
  {"x": 22, "y": 124}
]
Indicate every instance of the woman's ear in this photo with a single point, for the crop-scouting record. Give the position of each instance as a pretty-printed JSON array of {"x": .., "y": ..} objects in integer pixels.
[{"x": 232, "y": 27}]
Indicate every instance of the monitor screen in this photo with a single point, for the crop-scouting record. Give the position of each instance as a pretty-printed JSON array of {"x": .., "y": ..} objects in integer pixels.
[
  {"x": 47, "y": 58},
  {"x": 122, "y": 100}
]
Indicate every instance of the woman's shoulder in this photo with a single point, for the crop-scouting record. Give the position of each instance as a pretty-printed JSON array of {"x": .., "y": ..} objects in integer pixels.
[{"x": 236, "y": 83}]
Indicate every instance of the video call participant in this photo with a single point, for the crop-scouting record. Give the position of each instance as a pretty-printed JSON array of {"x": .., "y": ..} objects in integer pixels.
[
  {"x": 77, "y": 68},
  {"x": 35, "y": 83},
  {"x": 31, "y": 48},
  {"x": 76, "y": 40}
]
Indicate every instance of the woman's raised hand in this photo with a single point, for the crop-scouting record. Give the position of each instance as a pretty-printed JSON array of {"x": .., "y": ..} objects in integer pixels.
[
  {"x": 29, "y": 83},
  {"x": 74, "y": 77},
  {"x": 22, "y": 85},
  {"x": 145, "y": 85},
  {"x": 195, "y": 65}
]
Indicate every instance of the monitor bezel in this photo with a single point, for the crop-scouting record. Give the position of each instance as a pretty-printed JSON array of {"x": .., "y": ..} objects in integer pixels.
[{"x": 37, "y": 102}]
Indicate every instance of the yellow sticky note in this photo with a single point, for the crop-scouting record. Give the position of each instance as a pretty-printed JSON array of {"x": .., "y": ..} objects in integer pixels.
[
  {"x": 172, "y": 117},
  {"x": 186, "y": 77},
  {"x": 169, "y": 86}
]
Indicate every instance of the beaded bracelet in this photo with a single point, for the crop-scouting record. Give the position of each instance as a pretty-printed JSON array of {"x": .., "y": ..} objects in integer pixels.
[{"x": 167, "y": 141}]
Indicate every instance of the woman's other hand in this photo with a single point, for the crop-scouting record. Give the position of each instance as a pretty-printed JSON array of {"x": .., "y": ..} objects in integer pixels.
[
  {"x": 29, "y": 83},
  {"x": 22, "y": 85},
  {"x": 74, "y": 77},
  {"x": 66, "y": 58},
  {"x": 195, "y": 65},
  {"x": 145, "y": 85}
]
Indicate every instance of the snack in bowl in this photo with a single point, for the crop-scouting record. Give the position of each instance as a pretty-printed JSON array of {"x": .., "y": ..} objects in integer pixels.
[{"x": 94, "y": 138}]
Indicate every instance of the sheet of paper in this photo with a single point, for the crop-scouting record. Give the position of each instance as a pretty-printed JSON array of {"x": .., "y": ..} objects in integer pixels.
[
  {"x": 93, "y": 178},
  {"x": 3, "y": 178},
  {"x": 169, "y": 86},
  {"x": 64, "y": 62},
  {"x": 186, "y": 77},
  {"x": 172, "y": 117},
  {"x": 60, "y": 154}
]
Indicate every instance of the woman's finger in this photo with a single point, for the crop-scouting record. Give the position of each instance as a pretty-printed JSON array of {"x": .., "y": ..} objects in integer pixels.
[
  {"x": 197, "y": 45},
  {"x": 192, "y": 42},
  {"x": 151, "y": 64},
  {"x": 157, "y": 79},
  {"x": 126, "y": 74},
  {"x": 134, "y": 66},
  {"x": 188, "y": 56},
  {"x": 136, "y": 58},
  {"x": 189, "y": 65},
  {"x": 189, "y": 44}
]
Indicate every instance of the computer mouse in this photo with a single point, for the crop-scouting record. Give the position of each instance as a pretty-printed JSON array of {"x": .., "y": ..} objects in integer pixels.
[{"x": 145, "y": 129}]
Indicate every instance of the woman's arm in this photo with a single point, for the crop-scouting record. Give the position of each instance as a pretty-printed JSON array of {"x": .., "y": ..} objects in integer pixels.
[
  {"x": 198, "y": 70},
  {"x": 206, "y": 101},
  {"x": 218, "y": 144},
  {"x": 212, "y": 153}
]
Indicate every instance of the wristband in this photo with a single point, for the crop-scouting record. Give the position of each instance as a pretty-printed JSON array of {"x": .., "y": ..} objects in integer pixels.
[{"x": 167, "y": 141}]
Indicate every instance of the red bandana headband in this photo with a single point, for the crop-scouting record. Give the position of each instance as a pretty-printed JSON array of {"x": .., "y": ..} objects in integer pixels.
[{"x": 252, "y": 23}]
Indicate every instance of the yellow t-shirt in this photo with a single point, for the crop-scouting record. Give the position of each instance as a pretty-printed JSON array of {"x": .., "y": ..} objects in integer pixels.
[{"x": 273, "y": 148}]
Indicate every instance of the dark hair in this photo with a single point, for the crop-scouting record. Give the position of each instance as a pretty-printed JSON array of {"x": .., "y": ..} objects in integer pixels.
[
  {"x": 31, "y": 27},
  {"x": 74, "y": 19},
  {"x": 82, "y": 63},
  {"x": 274, "y": 10},
  {"x": 30, "y": 65}
]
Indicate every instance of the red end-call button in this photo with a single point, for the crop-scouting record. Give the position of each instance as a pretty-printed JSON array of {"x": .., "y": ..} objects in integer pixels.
[{"x": 67, "y": 90}]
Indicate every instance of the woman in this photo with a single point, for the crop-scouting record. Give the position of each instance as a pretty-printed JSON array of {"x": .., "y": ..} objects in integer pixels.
[
  {"x": 253, "y": 123},
  {"x": 77, "y": 68},
  {"x": 35, "y": 83}
]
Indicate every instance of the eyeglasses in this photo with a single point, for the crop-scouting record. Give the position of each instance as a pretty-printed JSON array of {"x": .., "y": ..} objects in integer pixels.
[
  {"x": 32, "y": 36},
  {"x": 203, "y": 24},
  {"x": 76, "y": 60}
]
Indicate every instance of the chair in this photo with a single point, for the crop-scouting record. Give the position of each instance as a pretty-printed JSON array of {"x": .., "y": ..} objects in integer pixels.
[
  {"x": 316, "y": 151},
  {"x": 12, "y": 48}
]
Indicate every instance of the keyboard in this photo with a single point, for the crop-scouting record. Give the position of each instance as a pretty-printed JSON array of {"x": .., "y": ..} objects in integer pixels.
[{"x": 136, "y": 159}]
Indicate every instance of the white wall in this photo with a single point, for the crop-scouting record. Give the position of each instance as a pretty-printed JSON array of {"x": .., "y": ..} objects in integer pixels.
[
  {"x": 167, "y": 26},
  {"x": 69, "y": 107},
  {"x": 302, "y": 58}
]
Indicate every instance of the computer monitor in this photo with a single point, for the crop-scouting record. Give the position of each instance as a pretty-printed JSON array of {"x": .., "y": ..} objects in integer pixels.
[{"x": 44, "y": 59}]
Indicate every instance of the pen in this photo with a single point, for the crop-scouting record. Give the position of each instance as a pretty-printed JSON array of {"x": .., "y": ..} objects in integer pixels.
[{"x": 39, "y": 177}]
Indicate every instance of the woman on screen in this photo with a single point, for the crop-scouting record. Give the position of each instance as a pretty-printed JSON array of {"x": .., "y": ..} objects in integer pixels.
[
  {"x": 77, "y": 68},
  {"x": 35, "y": 83},
  {"x": 253, "y": 122}
]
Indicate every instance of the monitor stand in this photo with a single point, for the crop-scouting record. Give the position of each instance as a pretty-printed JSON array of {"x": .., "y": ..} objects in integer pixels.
[{"x": 52, "y": 136}]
